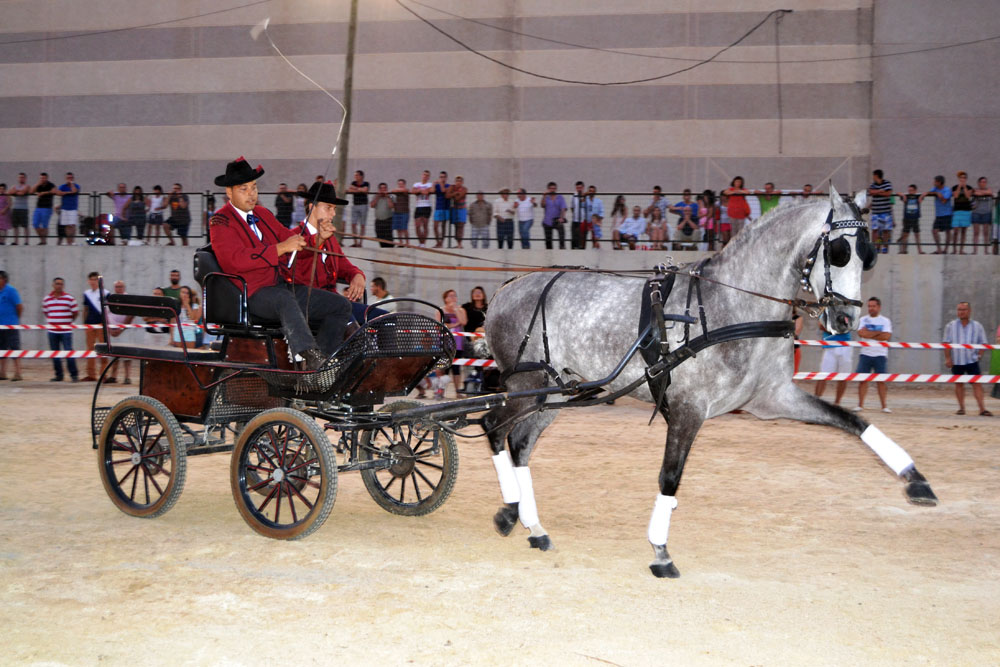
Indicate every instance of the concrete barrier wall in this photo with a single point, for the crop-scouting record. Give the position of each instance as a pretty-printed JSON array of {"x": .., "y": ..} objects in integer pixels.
[{"x": 919, "y": 293}]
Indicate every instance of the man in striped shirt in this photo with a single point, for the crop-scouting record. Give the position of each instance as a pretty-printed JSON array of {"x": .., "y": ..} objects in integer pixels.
[
  {"x": 880, "y": 192},
  {"x": 60, "y": 309},
  {"x": 965, "y": 331}
]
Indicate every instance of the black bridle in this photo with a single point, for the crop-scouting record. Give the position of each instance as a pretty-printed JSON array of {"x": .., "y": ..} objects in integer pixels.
[{"x": 837, "y": 252}]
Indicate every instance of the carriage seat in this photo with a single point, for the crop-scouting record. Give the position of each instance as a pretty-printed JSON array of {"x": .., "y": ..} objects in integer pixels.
[
  {"x": 143, "y": 305},
  {"x": 225, "y": 305}
]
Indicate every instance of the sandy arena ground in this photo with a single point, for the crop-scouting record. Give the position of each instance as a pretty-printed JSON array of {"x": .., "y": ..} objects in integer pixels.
[{"x": 795, "y": 547}]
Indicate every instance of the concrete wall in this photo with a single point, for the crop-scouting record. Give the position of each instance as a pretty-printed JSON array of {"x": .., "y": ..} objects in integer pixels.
[
  {"x": 918, "y": 293},
  {"x": 935, "y": 112},
  {"x": 177, "y": 101}
]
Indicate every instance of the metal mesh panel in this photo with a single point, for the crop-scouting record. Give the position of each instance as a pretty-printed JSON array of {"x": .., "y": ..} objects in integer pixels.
[
  {"x": 241, "y": 398},
  {"x": 392, "y": 335},
  {"x": 97, "y": 419}
]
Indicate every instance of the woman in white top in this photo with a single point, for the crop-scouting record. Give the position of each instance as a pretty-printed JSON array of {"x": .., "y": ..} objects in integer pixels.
[
  {"x": 190, "y": 313},
  {"x": 422, "y": 207},
  {"x": 157, "y": 204},
  {"x": 618, "y": 214}
]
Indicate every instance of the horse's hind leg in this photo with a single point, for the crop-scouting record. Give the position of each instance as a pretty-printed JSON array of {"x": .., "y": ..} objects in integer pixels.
[
  {"x": 793, "y": 403},
  {"x": 513, "y": 473},
  {"x": 685, "y": 422}
]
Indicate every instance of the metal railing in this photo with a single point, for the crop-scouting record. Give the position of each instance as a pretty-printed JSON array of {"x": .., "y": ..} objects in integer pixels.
[{"x": 202, "y": 204}]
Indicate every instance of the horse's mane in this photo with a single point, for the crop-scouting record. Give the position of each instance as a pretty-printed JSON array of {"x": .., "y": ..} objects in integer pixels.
[{"x": 768, "y": 223}]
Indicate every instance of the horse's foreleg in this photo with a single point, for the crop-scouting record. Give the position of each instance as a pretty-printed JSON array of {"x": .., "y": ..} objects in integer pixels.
[
  {"x": 793, "y": 403},
  {"x": 685, "y": 421}
]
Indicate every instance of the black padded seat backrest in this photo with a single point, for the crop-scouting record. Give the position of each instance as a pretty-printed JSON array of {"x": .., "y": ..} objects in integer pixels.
[
  {"x": 143, "y": 305},
  {"x": 223, "y": 299}
]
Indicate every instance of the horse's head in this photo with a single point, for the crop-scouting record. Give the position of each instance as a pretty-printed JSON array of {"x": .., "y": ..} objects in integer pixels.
[{"x": 833, "y": 269}]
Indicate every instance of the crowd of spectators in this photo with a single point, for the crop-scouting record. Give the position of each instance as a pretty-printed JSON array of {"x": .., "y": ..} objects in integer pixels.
[{"x": 575, "y": 220}]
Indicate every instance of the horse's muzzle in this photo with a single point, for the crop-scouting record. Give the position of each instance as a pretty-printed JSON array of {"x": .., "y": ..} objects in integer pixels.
[{"x": 840, "y": 320}]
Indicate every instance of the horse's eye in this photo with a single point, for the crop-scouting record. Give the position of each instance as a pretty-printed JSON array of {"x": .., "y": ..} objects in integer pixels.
[{"x": 840, "y": 252}]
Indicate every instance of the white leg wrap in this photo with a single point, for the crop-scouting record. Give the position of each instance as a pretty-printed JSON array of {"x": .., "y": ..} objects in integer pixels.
[
  {"x": 444, "y": 381},
  {"x": 659, "y": 522},
  {"x": 526, "y": 509},
  {"x": 505, "y": 473},
  {"x": 894, "y": 456}
]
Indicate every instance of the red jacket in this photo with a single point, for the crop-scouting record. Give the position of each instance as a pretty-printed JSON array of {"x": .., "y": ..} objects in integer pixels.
[
  {"x": 239, "y": 251},
  {"x": 329, "y": 269}
]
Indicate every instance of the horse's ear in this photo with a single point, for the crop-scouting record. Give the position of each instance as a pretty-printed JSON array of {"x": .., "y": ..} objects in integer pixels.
[
  {"x": 861, "y": 199},
  {"x": 834, "y": 196}
]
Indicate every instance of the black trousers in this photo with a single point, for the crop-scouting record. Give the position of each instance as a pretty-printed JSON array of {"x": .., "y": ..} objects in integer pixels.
[
  {"x": 578, "y": 239},
  {"x": 288, "y": 304},
  {"x": 383, "y": 230},
  {"x": 560, "y": 230}
]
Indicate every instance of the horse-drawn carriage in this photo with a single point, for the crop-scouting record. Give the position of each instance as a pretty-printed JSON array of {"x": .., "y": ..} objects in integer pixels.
[
  {"x": 648, "y": 339},
  {"x": 246, "y": 395}
]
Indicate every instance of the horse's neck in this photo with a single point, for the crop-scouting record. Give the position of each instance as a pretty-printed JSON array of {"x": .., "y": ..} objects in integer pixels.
[{"x": 768, "y": 256}]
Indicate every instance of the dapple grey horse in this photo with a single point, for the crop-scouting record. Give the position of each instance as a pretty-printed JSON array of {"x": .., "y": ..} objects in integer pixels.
[{"x": 592, "y": 320}]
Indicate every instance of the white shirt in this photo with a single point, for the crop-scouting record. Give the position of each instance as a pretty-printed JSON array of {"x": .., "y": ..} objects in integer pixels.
[
  {"x": 633, "y": 227},
  {"x": 504, "y": 209},
  {"x": 423, "y": 194},
  {"x": 525, "y": 209},
  {"x": 157, "y": 204},
  {"x": 254, "y": 228},
  {"x": 391, "y": 307},
  {"x": 880, "y": 323}
]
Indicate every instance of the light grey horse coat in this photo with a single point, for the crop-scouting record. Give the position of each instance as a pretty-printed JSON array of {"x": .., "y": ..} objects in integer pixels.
[{"x": 592, "y": 320}]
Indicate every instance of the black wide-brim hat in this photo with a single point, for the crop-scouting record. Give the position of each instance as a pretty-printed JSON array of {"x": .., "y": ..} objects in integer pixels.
[
  {"x": 324, "y": 192},
  {"x": 239, "y": 172}
]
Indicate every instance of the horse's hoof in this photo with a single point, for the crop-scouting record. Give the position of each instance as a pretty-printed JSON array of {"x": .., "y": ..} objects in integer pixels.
[
  {"x": 920, "y": 493},
  {"x": 664, "y": 570},
  {"x": 542, "y": 542},
  {"x": 504, "y": 520}
]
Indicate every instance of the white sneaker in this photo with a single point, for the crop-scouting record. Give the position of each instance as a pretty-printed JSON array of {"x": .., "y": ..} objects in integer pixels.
[
  {"x": 857, "y": 408},
  {"x": 886, "y": 410}
]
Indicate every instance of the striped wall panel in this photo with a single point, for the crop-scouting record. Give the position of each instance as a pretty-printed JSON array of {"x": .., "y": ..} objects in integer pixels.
[{"x": 174, "y": 102}]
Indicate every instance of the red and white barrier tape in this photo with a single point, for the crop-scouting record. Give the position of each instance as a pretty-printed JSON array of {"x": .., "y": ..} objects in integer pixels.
[
  {"x": 811, "y": 343},
  {"x": 46, "y": 354},
  {"x": 894, "y": 344},
  {"x": 489, "y": 363},
  {"x": 899, "y": 377},
  {"x": 70, "y": 327}
]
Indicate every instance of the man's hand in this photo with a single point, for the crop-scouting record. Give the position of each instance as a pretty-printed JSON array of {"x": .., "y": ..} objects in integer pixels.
[
  {"x": 356, "y": 289},
  {"x": 291, "y": 244},
  {"x": 326, "y": 230}
]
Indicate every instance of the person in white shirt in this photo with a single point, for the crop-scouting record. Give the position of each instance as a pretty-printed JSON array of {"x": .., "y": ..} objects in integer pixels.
[
  {"x": 380, "y": 294},
  {"x": 157, "y": 208},
  {"x": 632, "y": 228},
  {"x": 525, "y": 216},
  {"x": 874, "y": 327},
  {"x": 504, "y": 209},
  {"x": 422, "y": 208}
]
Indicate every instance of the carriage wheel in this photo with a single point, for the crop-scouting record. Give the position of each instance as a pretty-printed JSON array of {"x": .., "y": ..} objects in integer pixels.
[
  {"x": 426, "y": 466},
  {"x": 284, "y": 474},
  {"x": 142, "y": 457}
]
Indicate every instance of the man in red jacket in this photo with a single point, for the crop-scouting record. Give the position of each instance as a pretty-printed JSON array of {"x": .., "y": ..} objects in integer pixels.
[
  {"x": 249, "y": 242},
  {"x": 324, "y": 270}
]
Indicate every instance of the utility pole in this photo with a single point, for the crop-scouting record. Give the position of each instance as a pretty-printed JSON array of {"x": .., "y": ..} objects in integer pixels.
[{"x": 345, "y": 137}]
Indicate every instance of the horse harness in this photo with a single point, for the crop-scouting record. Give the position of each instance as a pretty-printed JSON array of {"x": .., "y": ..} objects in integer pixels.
[{"x": 653, "y": 344}]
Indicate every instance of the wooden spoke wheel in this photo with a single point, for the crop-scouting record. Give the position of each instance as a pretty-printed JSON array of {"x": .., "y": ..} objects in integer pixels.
[
  {"x": 423, "y": 469},
  {"x": 284, "y": 474},
  {"x": 142, "y": 457}
]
